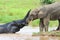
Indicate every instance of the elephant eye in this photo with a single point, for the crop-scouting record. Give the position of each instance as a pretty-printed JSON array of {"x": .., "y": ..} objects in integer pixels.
[{"x": 31, "y": 16}]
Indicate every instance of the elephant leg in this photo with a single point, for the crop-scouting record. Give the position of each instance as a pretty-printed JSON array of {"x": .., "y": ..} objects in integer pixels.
[
  {"x": 58, "y": 25},
  {"x": 41, "y": 25},
  {"x": 46, "y": 23}
]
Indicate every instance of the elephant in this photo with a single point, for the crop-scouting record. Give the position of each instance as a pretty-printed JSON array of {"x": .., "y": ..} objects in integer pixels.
[
  {"x": 45, "y": 13},
  {"x": 14, "y": 26}
]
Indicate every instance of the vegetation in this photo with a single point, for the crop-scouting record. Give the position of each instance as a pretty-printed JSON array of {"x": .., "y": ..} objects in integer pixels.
[
  {"x": 17, "y": 9},
  {"x": 47, "y": 1}
]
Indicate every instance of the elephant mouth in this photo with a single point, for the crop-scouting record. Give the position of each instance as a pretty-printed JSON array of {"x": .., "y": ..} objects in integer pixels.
[{"x": 30, "y": 21}]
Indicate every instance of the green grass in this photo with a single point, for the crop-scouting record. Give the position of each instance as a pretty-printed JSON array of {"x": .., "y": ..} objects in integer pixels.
[{"x": 17, "y": 9}]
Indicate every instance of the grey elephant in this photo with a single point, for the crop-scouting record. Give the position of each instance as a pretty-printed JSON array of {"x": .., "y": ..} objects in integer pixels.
[{"x": 45, "y": 14}]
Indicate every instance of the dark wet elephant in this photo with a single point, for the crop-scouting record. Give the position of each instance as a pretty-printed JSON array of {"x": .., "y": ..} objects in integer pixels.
[
  {"x": 45, "y": 14},
  {"x": 14, "y": 26}
]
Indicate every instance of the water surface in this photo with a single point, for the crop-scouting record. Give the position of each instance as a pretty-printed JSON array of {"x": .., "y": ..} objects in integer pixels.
[{"x": 26, "y": 34}]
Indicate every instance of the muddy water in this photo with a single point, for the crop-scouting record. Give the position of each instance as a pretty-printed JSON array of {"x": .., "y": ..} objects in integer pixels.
[
  {"x": 18, "y": 37},
  {"x": 26, "y": 37},
  {"x": 30, "y": 30},
  {"x": 26, "y": 34},
  {"x": 49, "y": 38}
]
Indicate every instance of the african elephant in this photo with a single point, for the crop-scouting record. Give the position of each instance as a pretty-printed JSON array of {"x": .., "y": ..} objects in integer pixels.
[
  {"x": 14, "y": 26},
  {"x": 45, "y": 14}
]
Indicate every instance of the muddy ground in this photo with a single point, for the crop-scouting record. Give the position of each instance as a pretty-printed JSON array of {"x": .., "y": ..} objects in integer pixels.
[
  {"x": 27, "y": 37},
  {"x": 18, "y": 37}
]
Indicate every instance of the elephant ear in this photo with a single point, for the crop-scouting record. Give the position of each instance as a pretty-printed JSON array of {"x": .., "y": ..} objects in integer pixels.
[{"x": 42, "y": 14}]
